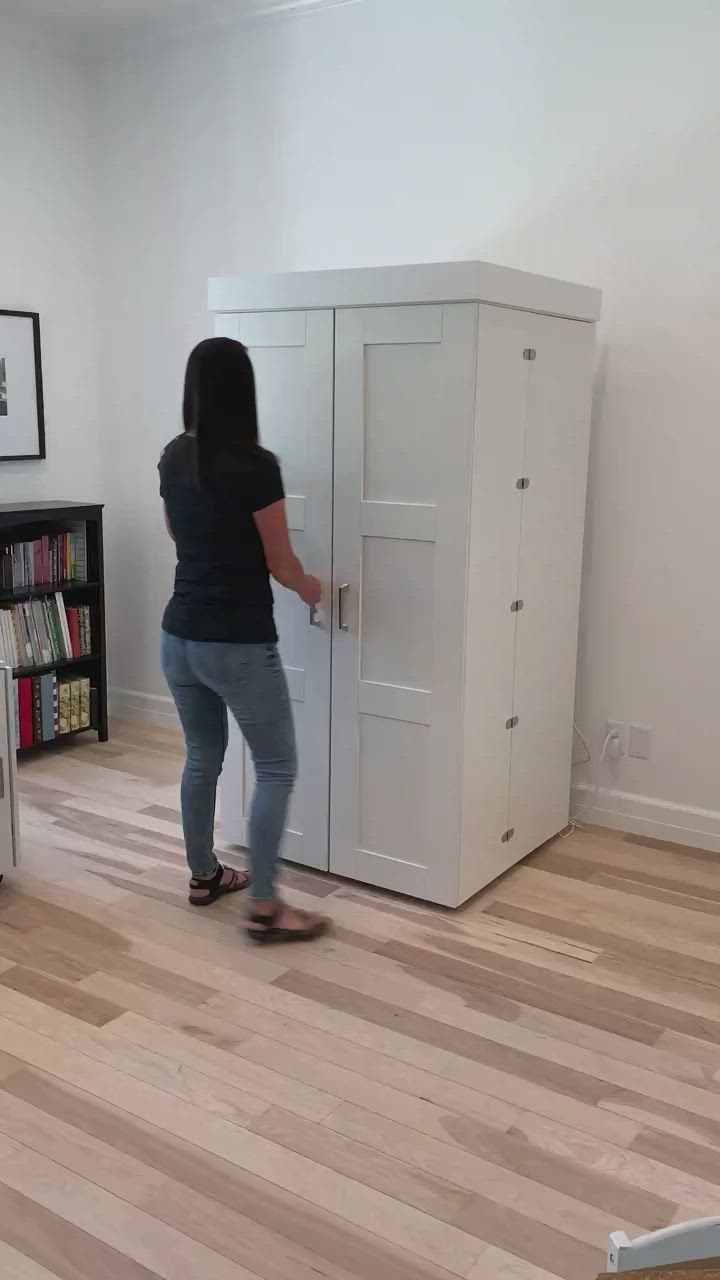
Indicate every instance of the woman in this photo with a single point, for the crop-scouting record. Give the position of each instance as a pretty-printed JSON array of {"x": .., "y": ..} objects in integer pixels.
[{"x": 225, "y": 510}]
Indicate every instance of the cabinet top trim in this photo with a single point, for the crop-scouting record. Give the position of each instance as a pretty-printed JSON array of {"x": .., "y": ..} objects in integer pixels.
[{"x": 393, "y": 286}]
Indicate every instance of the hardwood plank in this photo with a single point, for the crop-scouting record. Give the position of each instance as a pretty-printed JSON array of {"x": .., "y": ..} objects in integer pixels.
[
  {"x": 400, "y": 1224},
  {"x": 17, "y": 1266},
  {"x": 683, "y": 931},
  {"x": 162, "y": 811},
  {"x": 505, "y": 1266},
  {"x": 74, "y": 1254},
  {"x": 708, "y": 904},
  {"x": 480, "y": 1154},
  {"x": 356, "y": 1160},
  {"x": 685, "y": 851},
  {"x": 687, "y": 967},
  {"x": 157, "y": 1249},
  {"x": 462, "y": 1045},
  {"x": 287, "y": 1218},
  {"x": 533, "y": 1241},
  {"x": 60, "y": 995},
  {"x": 204, "y": 1091},
  {"x": 532, "y": 986},
  {"x": 273, "y": 1087},
  {"x": 678, "y": 1152},
  {"x": 187, "y": 1210}
]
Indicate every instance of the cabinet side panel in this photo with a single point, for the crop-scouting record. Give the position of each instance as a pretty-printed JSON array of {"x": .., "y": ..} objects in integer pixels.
[
  {"x": 556, "y": 461},
  {"x": 496, "y": 504}
]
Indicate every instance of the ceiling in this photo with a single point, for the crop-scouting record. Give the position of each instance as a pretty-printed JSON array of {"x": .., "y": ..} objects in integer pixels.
[{"x": 106, "y": 15}]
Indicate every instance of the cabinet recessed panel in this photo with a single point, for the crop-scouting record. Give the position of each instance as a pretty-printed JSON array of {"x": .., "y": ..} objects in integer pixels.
[
  {"x": 406, "y": 423},
  {"x": 398, "y": 588}
]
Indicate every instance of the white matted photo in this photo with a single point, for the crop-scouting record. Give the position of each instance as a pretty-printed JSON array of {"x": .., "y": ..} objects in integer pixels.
[{"x": 22, "y": 424}]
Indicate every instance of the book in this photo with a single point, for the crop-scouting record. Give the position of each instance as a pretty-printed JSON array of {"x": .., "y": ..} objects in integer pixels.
[
  {"x": 7, "y": 650},
  {"x": 56, "y": 705},
  {"x": 26, "y": 711},
  {"x": 74, "y": 705},
  {"x": 16, "y": 700},
  {"x": 73, "y": 617},
  {"x": 84, "y": 703},
  {"x": 37, "y": 708},
  {"x": 86, "y": 630},
  {"x": 49, "y": 625},
  {"x": 24, "y": 629},
  {"x": 48, "y": 683},
  {"x": 78, "y": 533},
  {"x": 64, "y": 708},
  {"x": 52, "y": 558},
  {"x": 38, "y": 614},
  {"x": 64, "y": 629}
]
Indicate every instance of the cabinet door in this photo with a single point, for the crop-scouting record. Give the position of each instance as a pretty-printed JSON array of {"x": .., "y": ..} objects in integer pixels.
[
  {"x": 553, "y": 517},
  {"x": 9, "y": 837},
  {"x": 404, "y": 401},
  {"x": 292, "y": 354}
]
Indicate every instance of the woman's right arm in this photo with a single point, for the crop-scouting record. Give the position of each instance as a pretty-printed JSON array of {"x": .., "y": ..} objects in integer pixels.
[{"x": 282, "y": 562}]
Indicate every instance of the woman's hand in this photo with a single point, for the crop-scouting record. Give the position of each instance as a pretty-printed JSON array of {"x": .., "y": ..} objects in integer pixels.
[{"x": 311, "y": 591}]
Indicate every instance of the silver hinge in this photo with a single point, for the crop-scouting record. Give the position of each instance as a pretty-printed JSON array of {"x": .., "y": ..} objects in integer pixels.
[
  {"x": 512, "y": 722},
  {"x": 529, "y": 353},
  {"x": 508, "y": 835},
  {"x": 523, "y": 483},
  {"x": 517, "y": 605}
]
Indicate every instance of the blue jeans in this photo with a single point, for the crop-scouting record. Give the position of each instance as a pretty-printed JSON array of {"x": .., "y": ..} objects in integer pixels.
[{"x": 206, "y": 681}]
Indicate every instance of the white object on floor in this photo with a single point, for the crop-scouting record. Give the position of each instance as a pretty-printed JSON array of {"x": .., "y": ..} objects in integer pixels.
[
  {"x": 432, "y": 423},
  {"x": 686, "y": 1242}
]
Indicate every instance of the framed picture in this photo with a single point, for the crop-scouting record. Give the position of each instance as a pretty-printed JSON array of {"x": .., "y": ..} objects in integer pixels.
[{"x": 22, "y": 418}]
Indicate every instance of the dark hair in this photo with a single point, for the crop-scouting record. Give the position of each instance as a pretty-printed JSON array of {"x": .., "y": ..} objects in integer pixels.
[{"x": 219, "y": 403}]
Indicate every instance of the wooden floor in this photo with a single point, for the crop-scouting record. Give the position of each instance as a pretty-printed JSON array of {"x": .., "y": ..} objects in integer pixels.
[{"x": 424, "y": 1095}]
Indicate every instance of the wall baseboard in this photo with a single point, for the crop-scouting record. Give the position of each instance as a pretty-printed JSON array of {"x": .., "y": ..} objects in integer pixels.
[
  {"x": 645, "y": 816},
  {"x": 145, "y": 708}
]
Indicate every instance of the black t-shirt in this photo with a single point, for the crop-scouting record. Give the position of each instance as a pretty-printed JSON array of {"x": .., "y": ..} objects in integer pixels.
[{"x": 222, "y": 583}]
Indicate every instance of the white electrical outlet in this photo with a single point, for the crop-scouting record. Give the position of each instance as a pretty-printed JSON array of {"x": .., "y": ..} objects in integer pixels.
[
  {"x": 639, "y": 742},
  {"x": 617, "y": 727}
]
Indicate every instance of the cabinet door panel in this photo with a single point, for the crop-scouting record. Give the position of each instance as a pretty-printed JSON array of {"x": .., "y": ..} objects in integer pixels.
[
  {"x": 292, "y": 354},
  {"x": 9, "y": 835},
  {"x": 404, "y": 399},
  {"x": 553, "y": 517}
]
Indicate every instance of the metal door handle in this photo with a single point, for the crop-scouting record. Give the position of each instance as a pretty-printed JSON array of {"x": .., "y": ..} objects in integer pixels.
[
  {"x": 2, "y": 779},
  {"x": 342, "y": 624},
  {"x": 314, "y": 619}
]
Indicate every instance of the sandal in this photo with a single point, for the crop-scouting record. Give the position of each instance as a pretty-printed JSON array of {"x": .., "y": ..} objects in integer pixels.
[
  {"x": 214, "y": 888},
  {"x": 263, "y": 930}
]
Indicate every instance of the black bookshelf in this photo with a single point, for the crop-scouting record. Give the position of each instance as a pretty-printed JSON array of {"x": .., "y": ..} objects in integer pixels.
[{"x": 27, "y": 522}]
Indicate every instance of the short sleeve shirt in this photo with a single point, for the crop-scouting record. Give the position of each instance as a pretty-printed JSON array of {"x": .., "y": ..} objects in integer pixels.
[{"x": 222, "y": 583}]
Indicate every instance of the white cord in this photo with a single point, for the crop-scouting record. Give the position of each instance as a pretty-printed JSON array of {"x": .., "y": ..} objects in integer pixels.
[
  {"x": 588, "y": 752},
  {"x": 612, "y": 736}
]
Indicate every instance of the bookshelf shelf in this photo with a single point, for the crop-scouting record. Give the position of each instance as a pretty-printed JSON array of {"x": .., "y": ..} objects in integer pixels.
[
  {"x": 32, "y": 593},
  {"x": 20, "y": 672},
  {"x": 52, "y": 742},
  {"x": 40, "y": 609}
]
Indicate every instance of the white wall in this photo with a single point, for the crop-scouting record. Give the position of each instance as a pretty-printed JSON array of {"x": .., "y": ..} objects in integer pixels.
[
  {"x": 572, "y": 139},
  {"x": 48, "y": 252}
]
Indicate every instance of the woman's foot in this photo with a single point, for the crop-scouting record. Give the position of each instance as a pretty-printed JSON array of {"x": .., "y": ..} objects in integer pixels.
[
  {"x": 224, "y": 880},
  {"x": 277, "y": 922}
]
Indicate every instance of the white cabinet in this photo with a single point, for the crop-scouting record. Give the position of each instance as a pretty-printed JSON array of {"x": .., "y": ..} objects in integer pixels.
[
  {"x": 9, "y": 837},
  {"x": 432, "y": 423}
]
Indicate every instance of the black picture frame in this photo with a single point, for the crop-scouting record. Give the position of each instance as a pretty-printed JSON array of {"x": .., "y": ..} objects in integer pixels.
[{"x": 41, "y": 453}]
